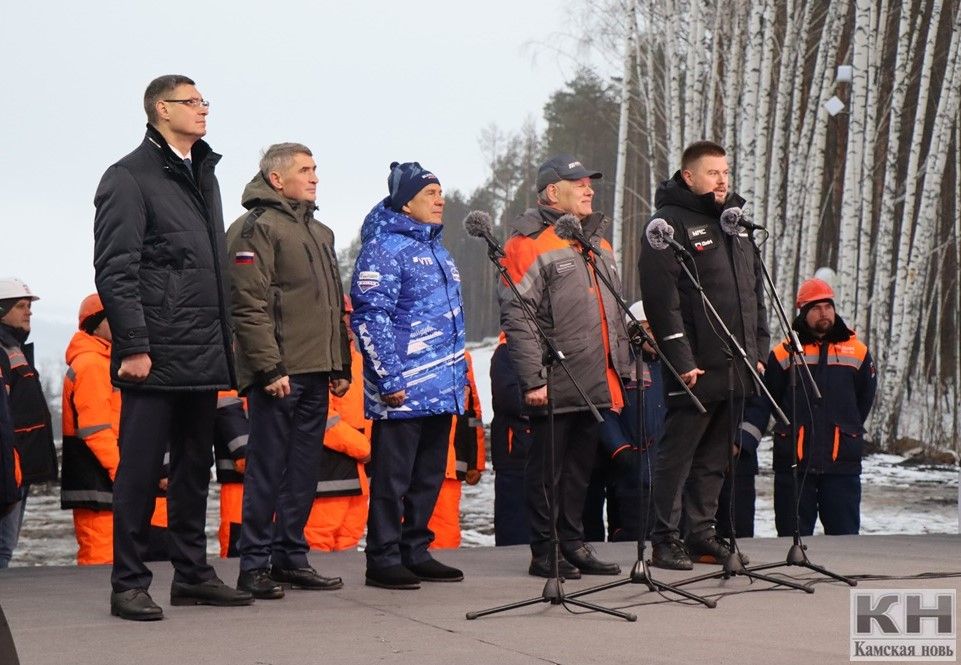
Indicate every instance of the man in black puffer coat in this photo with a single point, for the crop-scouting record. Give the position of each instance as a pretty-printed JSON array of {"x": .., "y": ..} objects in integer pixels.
[
  {"x": 692, "y": 202},
  {"x": 159, "y": 255}
]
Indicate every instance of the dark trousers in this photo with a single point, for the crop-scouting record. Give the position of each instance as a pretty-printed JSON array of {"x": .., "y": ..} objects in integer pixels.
[
  {"x": 575, "y": 445},
  {"x": 408, "y": 460},
  {"x": 510, "y": 512},
  {"x": 623, "y": 494},
  {"x": 694, "y": 445},
  {"x": 149, "y": 422},
  {"x": 283, "y": 459},
  {"x": 835, "y": 498},
  {"x": 745, "y": 497}
]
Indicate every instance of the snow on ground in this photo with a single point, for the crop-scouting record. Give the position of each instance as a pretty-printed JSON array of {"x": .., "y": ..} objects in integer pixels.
[{"x": 896, "y": 499}]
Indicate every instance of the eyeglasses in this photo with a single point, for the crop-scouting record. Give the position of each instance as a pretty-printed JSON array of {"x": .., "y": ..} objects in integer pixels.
[{"x": 193, "y": 102}]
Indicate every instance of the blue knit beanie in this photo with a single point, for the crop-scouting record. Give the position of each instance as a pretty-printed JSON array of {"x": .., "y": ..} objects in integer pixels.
[{"x": 405, "y": 181}]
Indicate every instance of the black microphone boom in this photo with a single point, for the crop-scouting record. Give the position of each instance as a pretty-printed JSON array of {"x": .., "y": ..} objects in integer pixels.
[{"x": 478, "y": 224}]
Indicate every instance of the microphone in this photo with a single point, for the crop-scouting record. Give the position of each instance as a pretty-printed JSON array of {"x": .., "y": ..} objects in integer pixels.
[
  {"x": 478, "y": 224},
  {"x": 660, "y": 235},
  {"x": 568, "y": 227},
  {"x": 733, "y": 218}
]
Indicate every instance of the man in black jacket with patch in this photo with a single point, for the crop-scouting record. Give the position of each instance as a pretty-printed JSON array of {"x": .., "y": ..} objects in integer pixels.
[
  {"x": 159, "y": 256},
  {"x": 33, "y": 434},
  {"x": 692, "y": 202}
]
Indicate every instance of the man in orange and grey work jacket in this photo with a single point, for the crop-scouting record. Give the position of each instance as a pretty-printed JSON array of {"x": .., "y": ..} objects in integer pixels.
[
  {"x": 91, "y": 422},
  {"x": 582, "y": 318},
  {"x": 465, "y": 463}
]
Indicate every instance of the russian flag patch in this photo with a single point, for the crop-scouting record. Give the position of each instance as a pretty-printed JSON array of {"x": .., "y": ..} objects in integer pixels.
[{"x": 244, "y": 258}]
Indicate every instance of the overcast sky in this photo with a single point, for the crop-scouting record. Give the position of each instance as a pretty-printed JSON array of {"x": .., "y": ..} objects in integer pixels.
[{"x": 363, "y": 83}]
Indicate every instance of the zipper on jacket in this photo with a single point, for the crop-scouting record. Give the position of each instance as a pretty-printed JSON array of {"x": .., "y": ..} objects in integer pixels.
[
  {"x": 313, "y": 271},
  {"x": 278, "y": 322},
  {"x": 453, "y": 319}
]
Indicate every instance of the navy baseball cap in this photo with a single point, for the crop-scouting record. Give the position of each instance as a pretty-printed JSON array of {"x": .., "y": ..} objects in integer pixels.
[{"x": 562, "y": 167}]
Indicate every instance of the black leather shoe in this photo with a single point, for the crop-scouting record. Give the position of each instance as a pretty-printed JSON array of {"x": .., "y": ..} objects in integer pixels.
[
  {"x": 433, "y": 570},
  {"x": 135, "y": 605},
  {"x": 208, "y": 592},
  {"x": 392, "y": 577},
  {"x": 671, "y": 554},
  {"x": 583, "y": 557},
  {"x": 304, "y": 578},
  {"x": 259, "y": 584},
  {"x": 713, "y": 550},
  {"x": 541, "y": 566}
]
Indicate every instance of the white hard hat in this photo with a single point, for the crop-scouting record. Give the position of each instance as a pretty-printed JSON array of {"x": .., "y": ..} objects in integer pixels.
[
  {"x": 637, "y": 309},
  {"x": 826, "y": 274},
  {"x": 11, "y": 287}
]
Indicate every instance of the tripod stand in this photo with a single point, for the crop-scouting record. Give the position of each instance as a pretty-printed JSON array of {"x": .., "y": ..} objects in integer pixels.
[
  {"x": 733, "y": 564},
  {"x": 553, "y": 591},
  {"x": 797, "y": 553}
]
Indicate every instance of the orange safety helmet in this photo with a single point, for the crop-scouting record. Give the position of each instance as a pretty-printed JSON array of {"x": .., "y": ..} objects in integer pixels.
[
  {"x": 90, "y": 306},
  {"x": 814, "y": 290}
]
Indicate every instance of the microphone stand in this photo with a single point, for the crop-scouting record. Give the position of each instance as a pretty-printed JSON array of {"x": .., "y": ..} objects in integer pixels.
[
  {"x": 553, "y": 591},
  {"x": 733, "y": 565},
  {"x": 797, "y": 553},
  {"x": 640, "y": 571}
]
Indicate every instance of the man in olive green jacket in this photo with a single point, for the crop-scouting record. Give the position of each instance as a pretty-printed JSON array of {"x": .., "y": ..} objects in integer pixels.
[{"x": 291, "y": 345}]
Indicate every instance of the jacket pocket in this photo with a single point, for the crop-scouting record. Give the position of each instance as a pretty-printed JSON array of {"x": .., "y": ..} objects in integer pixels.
[
  {"x": 848, "y": 444},
  {"x": 520, "y": 438},
  {"x": 783, "y": 452},
  {"x": 171, "y": 292}
]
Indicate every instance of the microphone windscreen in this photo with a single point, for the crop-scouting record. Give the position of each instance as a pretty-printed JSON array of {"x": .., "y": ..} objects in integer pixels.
[
  {"x": 567, "y": 227},
  {"x": 730, "y": 219},
  {"x": 657, "y": 230},
  {"x": 477, "y": 222}
]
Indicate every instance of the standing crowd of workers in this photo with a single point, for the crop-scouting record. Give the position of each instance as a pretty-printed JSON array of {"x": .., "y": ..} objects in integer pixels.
[{"x": 327, "y": 414}]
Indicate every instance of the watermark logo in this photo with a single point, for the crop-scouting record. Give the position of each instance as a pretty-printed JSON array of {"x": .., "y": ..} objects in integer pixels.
[{"x": 904, "y": 624}]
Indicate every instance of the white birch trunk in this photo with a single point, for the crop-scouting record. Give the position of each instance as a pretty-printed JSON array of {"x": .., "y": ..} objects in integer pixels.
[
  {"x": 774, "y": 213},
  {"x": 650, "y": 98},
  {"x": 709, "y": 107},
  {"x": 622, "y": 135},
  {"x": 672, "y": 82},
  {"x": 908, "y": 295},
  {"x": 744, "y": 166},
  {"x": 867, "y": 225},
  {"x": 693, "y": 79},
  {"x": 732, "y": 89},
  {"x": 805, "y": 118},
  {"x": 849, "y": 233},
  {"x": 884, "y": 240},
  {"x": 763, "y": 116},
  {"x": 892, "y": 371},
  {"x": 956, "y": 390},
  {"x": 814, "y": 183}
]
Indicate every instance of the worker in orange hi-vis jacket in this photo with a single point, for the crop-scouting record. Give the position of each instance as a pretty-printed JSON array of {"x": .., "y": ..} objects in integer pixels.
[
  {"x": 339, "y": 514},
  {"x": 91, "y": 418},
  {"x": 231, "y": 429},
  {"x": 465, "y": 463}
]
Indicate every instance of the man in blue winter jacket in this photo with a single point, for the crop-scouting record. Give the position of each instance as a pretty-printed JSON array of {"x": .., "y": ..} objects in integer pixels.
[{"x": 409, "y": 323}]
